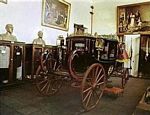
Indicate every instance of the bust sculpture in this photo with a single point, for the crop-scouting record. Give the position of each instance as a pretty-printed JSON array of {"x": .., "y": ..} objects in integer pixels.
[
  {"x": 39, "y": 40},
  {"x": 8, "y": 35}
]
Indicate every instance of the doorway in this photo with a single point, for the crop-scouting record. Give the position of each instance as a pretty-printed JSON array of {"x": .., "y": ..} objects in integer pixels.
[
  {"x": 132, "y": 43},
  {"x": 144, "y": 57}
]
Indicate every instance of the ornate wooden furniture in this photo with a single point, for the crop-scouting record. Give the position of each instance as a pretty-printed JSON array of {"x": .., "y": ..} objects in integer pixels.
[
  {"x": 32, "y": 58},
  {"x": 11, "y": 62}
]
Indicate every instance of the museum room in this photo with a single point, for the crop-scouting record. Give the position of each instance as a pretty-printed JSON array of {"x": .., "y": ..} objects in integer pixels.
[{"x": 74, "y": 57}]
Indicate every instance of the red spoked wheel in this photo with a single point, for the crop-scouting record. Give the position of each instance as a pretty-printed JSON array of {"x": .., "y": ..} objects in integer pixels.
[
  {"x": 47, "y": 83},
  {"x": 92, "y": 86},
  {"x": 125, "y": 77},
  {"x": 71, "y": 64}
]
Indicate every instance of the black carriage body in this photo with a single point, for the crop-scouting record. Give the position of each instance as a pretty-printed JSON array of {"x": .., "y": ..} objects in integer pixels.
[
  {"x": 108, "y": 52},
  {"x": 82, "y": 43},
  {"x": 85, "y": 47},
  {"x": 92, "y": 50},
  {"x": 105, "y": 53}
]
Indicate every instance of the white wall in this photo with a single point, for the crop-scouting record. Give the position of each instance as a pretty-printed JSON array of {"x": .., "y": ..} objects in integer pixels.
[
  {"x": 105, "y": 14},
  {"x": 25, "y": 15}
]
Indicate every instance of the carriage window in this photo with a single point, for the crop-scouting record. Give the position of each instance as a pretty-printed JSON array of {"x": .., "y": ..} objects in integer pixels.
[
  {"x": 104, "y": 53},
  {"x": 80, "y": 45},
  {"x": 112, "y": 51},
  {"x": 109, "y": 51}
]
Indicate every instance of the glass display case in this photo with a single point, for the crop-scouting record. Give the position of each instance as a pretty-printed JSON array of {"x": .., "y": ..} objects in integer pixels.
[{"x": 11, "y": 62}]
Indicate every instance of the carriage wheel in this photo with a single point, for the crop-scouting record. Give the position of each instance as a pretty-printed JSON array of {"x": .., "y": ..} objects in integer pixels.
[
  {"x": 92, "y": 86},
  {"x": 46, "y": 82},
  {"x": 72, "y": 70},
  {"x": 125, "y": 77},
  {"x": 110, "y": 70}
]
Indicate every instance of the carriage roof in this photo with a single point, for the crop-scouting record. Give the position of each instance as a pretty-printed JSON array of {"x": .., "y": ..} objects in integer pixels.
[{"x": 89, "y": 36}]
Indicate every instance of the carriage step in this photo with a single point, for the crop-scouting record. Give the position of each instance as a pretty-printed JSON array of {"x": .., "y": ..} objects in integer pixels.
[{"x": 113, "y": 90}]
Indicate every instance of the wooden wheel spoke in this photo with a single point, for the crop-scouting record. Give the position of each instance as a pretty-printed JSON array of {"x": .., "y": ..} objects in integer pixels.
[
  {"x": 44, "y": 86},
  {"x": 48, "y": 87},
  {"x": 41, "y": 82},
  {"x": 89, "y": 88},
  {"x": 97, "y": 76},
  {"x": 87, "y": 95},
  {"x": 100, "y": 83},
  {"x": 89, "y": 98},
  {"x": 100, "y": 78}
]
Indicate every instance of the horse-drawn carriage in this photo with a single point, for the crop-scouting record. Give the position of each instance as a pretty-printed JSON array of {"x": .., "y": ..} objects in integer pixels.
[{"x": 88, "y": 60}]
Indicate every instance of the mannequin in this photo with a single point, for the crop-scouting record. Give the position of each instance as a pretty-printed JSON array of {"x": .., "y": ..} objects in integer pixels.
[{"x": 39, "y": 40}]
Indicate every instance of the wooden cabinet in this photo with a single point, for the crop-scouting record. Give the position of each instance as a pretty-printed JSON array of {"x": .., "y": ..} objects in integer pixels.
[
  {"x": 11, "y": 62},
  {"x": 32, "y": 58}
]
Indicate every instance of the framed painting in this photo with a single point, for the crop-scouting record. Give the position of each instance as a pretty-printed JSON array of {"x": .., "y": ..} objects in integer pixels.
[
  {"x": 133, "y": 18},
  {"x": 56, "y": 14},
  {"x": 4, "y": 1}
]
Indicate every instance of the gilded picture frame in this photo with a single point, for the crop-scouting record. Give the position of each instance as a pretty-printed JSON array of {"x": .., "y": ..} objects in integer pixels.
[
  {"x": 133, "y": 18},
  {"x": 56, "y": 14},
  {"x": 3, "y": 1}
]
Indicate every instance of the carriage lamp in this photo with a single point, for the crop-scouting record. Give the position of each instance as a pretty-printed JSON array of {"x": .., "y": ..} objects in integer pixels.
[{"x": 60, "y": 40}]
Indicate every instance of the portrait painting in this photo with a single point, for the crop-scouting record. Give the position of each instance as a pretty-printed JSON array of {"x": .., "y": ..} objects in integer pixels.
[
  {"x": 3, "y": 1},
  {"x": 55, "y": 14}
]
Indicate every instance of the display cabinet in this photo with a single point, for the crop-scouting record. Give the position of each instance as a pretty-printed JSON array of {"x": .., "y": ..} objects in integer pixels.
[
  {"x": 11, "y": 62},
  {"x": 32, "y": 58}
]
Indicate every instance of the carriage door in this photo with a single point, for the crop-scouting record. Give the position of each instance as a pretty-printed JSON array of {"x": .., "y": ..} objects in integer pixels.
[{"x": 132, "y": 43}]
